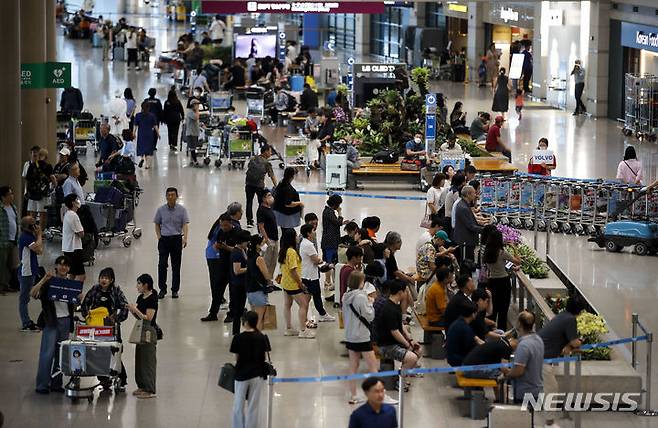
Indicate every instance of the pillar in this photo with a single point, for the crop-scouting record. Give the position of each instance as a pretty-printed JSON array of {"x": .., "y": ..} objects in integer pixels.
[
  {"x": 475, "y": 48},
  {"x": 33, "y": 101},
  {"x": 52, "y": 102},
  {"x": 597, "y": 72},
  {"x": 362, "y": 36},
  {"x": 10, "y": 97},
  {"x": 540, "y": 49}
]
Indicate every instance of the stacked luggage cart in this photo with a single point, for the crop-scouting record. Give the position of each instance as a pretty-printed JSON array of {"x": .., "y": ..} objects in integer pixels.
[
  {"x": 564, "y": 205},
  {"x": 296, "y": 152},
  {"x": 641, "y": 106}
]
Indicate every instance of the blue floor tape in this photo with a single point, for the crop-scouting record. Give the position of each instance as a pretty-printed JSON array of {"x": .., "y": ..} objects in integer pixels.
[
  {"x": 434, "y": 370},
  {"x": 363, "y": 195}
]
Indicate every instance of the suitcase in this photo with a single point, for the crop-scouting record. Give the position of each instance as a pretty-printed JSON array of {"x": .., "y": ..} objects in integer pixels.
[
  {"x": 118, "y": 53},
  {"x": 96, "y": 40},
  {"x": 336, "y": 172},
  {"x": 82, "y": 358}
]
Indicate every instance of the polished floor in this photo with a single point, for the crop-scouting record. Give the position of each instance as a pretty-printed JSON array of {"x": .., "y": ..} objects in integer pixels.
[{"x": 190, "y": 356}]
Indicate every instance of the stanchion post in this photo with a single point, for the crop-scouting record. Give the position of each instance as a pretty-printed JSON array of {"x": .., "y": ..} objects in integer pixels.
[
  {"x": 647, "y": 404},
  {"x": 634, "y": 343},
  {"x": 577, "y": 419},
  {"x": 401, "y": 398},
  {"x": 536, "y": 237},
  {"x": 270, "y": 400},
  {"x": 548, "y": 239}
]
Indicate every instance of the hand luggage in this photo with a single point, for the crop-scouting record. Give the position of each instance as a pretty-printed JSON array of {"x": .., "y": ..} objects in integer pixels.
[
  {"x": 143, "y": 333},
  {"x": 227, "y": 377},
  {"x": 118, "y": 53},
  {"x": 336, "y": 171},
  {"x": 96, "y": 40},
  {"x": 82, "y": 358},
  {"x": 269, "y": 319}
]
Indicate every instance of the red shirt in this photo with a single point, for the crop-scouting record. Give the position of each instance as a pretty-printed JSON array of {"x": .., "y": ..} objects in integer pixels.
[
  {"x": 344, "y": 275},
  {"x": 538, "y": 169},
  {"x": 492, "y": 138}
]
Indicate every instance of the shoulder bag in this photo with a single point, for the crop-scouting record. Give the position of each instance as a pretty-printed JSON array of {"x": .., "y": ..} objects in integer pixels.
[
  {"x": 360, "y": 317},
  {"x": 227, "y": 377}
]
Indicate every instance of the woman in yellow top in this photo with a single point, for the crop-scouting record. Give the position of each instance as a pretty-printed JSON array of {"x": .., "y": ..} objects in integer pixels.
[{"x": 291, "y": 281}]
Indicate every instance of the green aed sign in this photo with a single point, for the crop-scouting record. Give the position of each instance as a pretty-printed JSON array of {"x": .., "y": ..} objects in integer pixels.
[{"x": 46, "y": 75}]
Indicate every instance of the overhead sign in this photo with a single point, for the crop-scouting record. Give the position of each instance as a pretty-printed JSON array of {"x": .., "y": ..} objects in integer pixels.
[
  {"x": 386, "y": 71},
  {"x": 45, "y": 75},
  {"x": 235, "y": 7},
  {"x": 456, "y": 7},
  {"x": 639, "y": 36},
  {"x": 508, "y": 14}
]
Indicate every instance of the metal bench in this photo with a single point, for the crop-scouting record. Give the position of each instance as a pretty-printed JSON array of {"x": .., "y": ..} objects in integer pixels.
[{"x": 432, "y": 336}]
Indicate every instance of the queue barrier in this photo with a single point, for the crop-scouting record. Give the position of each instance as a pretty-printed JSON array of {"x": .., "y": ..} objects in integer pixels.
[{"x": 438, "y": 370}]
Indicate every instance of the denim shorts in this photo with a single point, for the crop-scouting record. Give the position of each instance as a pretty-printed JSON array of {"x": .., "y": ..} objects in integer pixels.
[
  {"x": 395, "y": 352},
  {"x": 330, "y": 255},
  {"x": 257, "y": 299}
]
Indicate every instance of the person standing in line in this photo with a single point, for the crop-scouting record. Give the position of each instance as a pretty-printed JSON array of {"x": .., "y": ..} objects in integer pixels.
[
  {"x": 238, "y": 286},
  {"x": 499, "y": 282},
  {"x": 258, "y": 277},
  {"x": 310, "y": 272},
  {"x": 72, "y": 183},
  {"x": 287, "y": 206},
  {"x": 332, "y": 221},
  {"x": 30, "y": 245},
  {"x": 171, "y": 229},
  {"x": 173, "y": 114},
  {"x": 629, "y": 170},
  {"x": 192, "y": 130},
  {"x": 148, "y": 133},
  {"x": 257, "y": 168},
  {"x": 269, "y": 230},
  {"x": 578, "y": 74},
  {"x": 501, "y": 93},
  {"x": 467, "y": 228},
  {"x": 72, "y": 233},
  {"x": 8, "y": 238},
  {"x": 146, "y": 308},
  {"x": 375, "y": 412},
  {"x": 293, "y": 286},
  {"x": 218, "y": 254},
  {"x": 251, "y": 348},
  {"x": 57, "y": 324},
  {"x": 436, "y": 196}
]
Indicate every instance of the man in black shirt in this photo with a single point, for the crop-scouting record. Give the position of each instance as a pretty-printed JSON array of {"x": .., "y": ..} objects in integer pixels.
[
  {"x": 393, "y": 242},
  {"x": 481, "y": 325},
  {"x": 237, "y": 78},
  {"x": 155, "y": 105},
  {"x": 491, "y": 352},
  {"x": 268, "y": 229},
  {"x": 466, "y": 287},
  {"x": 393, "y": 339},
  {"x": 308, "y": 98},
  {"x": 107, "y": 145},
  {"x": 460, "y": 338}
]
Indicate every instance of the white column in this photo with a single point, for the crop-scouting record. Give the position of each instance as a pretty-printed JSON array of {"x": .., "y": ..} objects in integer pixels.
[
  {"x": 596, "y": 80},
  {"x": 475, "y": 48},
  {"x": 362, "y": 36},
  {"x": 540, "y": 34}
]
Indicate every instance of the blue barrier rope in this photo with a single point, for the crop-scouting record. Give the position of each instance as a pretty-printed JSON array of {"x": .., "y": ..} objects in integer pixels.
[
  {"x": 363, "y": 195},
  {"x": 434, "y": 370}
]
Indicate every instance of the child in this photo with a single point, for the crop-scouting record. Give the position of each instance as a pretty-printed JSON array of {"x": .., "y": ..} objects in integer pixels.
[
  {"x": 482, "y": 73},
  {"x": 519, "y": 102}
]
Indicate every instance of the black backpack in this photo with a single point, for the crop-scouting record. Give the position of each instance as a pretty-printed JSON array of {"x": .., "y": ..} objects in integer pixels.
[{"x": 385, "y": 156}]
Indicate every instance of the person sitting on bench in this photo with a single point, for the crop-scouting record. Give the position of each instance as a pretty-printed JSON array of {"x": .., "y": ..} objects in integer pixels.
[
  {"x": 435, "y": 298},
  {"x": 461, "y": 339},
  {"x": 466, "y": 286},
  {"x": 491, "y": 352},
  {"x": 413, "y": 149}
]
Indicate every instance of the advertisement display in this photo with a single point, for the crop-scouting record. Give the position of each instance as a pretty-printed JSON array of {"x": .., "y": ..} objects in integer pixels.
[
  {"x": 256, "y": 45},
  {"x": 234, "y": 7}
]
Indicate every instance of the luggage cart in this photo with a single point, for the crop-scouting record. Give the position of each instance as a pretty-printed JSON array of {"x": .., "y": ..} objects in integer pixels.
[
  {"x": 295, "y": 153},
  {"x": 84, "y": 132},
  {"x": 114, "y": 213},
  {"x": 255, "y": 103},
  {"x": 64, "y": 127},
  {"x": 93, "y": 351},
  {"x": 220, "y": 102},
  {"x": 240, "y": 146},
  {"x": 641, "y": 106}
]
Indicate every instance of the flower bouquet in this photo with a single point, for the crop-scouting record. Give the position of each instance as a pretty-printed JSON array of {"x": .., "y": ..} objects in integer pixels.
[{"x": 591, "y": 329}]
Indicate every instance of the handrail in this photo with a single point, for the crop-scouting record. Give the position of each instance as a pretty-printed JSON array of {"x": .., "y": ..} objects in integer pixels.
[{"x": 536, "y": 296}]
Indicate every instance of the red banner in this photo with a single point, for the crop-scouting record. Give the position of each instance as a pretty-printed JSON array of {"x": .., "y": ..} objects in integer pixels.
[
  {"x": 94, "y": 332},
  {"x": 233, "y": 7}
]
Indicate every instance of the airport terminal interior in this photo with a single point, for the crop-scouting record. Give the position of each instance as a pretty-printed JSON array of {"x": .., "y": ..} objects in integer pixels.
[{"x": 581, "y": 212}]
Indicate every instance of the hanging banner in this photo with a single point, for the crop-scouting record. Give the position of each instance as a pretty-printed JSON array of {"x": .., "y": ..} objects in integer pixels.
[{"x": 235, "y": 7}]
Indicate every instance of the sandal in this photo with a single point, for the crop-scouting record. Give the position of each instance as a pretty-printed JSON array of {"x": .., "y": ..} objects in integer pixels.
[{"x": 311, "y": 324}]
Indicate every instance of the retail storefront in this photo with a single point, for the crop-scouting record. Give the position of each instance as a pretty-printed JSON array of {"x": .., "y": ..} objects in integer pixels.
[
  {"x": 453, "y": 19},
  {"x": 508, "y": 25},
  {"x": 638, "y": 45}
]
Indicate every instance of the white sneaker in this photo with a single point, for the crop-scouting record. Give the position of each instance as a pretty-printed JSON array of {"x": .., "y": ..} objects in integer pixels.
[
  {"x": 291, "y": 332},
  {"x": 223, "y": 306},
  {"x": 390, "y": 400},
  {"x": 306, "y": 334},
  {"x": 326, "y": 318}
]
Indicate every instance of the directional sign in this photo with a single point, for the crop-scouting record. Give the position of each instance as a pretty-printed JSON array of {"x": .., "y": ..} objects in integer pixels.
[
  {"x": 430, "y": 122},
  {"x": 430, "y": 127},
  {"x": 430, "y": 104}
]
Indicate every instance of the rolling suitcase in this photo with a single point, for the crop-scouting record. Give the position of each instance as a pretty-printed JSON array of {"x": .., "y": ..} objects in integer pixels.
[
  {"x": 83, "y": 358},
  {"x": 118, "y": 53},
  {"x": 96, "y": 40},
  {"x": 336, "y": 172}
]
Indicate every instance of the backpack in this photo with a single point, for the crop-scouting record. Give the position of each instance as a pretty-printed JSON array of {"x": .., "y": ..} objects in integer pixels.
[
  {"x": 419, "y": 306},
  {"x": 37, "y": 184},
  {"x": 291, "y": 102},
  {"x": 255, "y": 170},
  {"x": 385, "y": 157}
]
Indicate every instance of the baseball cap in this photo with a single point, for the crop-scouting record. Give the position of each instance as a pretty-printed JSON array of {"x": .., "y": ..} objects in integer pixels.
[
  {"x": 500, "y": 119},
  {"x": 369, "y": 288},
  {"x": 64, "y": 151},
  {"x": 441, "y": 234}
]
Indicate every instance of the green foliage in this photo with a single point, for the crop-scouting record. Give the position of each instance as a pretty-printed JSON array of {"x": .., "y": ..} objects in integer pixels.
[
  {"x": 216, "y": 52},
  {"x": 469, "y": 146},
  {"x": 531, "y": 265},
  {"x": 421, "y": 76},
  {"x": 341, "y": 89}
]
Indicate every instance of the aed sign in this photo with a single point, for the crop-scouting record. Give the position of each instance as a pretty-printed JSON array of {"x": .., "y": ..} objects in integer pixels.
[
  {"x": 46, "y": 75},
  {"x": 543, "y": 156},
  {"x": 639, "y": 36}
]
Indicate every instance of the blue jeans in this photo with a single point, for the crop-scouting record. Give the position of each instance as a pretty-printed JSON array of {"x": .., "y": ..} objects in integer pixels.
[
  {"x": 51, "y": 336},
  {"x": 27, "y": 282}
]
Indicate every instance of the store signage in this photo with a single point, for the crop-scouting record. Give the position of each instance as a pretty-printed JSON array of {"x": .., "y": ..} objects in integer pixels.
[
  {"x": 639, "y": 36},
  {"x": 46, "y": 75},
  {"x": 455, "y": 7},
  {"x": 235, "y": 7},
  {"x": 508, "y": 14},
  {"x": 386, "y": 71}
]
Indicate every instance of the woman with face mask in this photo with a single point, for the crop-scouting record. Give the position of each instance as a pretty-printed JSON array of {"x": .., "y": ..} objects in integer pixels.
[
  {"x": 542, "y": 168},
  {"x": 258, "y": 277},
  {"x": 106, "y": 294}
]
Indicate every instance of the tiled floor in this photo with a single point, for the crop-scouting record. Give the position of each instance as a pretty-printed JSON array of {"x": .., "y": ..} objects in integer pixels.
[{"x": 191, "y": 354}]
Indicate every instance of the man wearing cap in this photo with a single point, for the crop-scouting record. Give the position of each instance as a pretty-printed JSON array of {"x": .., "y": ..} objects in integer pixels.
[
  {"x": 494, "y": 141},
  {"x": 61, "y": 168}
]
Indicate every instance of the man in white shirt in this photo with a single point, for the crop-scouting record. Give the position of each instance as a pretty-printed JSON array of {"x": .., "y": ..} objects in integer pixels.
[
  {"x": 116, "y": 111},
  {"x": 310, "y": 272},
  {"x": 72, "y": 185},
  {"x": 72, "y": 233},
  {"x": 217, "y": 28}
]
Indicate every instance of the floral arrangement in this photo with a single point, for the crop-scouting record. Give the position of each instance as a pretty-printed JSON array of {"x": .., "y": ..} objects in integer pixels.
[
  {"x": 511, "y": 236},
  {"x": 591, "y": 329},
  {"x": 531, "y": 265},
  {"x": 557, "y": 302}
]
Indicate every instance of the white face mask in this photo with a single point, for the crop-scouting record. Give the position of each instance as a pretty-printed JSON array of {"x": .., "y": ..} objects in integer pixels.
[{"x": 417, "y": 140}]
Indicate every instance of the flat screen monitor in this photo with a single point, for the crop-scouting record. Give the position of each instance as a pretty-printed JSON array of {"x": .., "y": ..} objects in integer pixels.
[{"x": 256, "y": 45}]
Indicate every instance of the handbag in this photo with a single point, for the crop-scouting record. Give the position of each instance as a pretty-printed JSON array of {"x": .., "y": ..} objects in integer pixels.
[
  {"x": 269, "y": 318},
  {"x": 426, "y": 222},
  {"x": 269, "y": 367},
  {"x": 227, "y": 377},
  {"x": 143, "y": 333}
]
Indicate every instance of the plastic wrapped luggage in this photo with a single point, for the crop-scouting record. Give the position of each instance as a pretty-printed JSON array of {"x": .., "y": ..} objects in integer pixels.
[
  {"x": 82, "y": 358},
  {"x": 118, "y": 53},
  {"x": 96, "y": 40}
]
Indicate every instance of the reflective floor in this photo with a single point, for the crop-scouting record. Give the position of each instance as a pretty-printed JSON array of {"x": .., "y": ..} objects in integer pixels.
[{"x": 190, "y": 356}]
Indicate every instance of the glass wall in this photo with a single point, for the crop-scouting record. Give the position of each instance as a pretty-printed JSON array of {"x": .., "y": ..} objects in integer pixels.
[
  {"x": 387, "y": 34},
  {"x": 434, "y": 15},
  {"x": 341, "y": 29}
]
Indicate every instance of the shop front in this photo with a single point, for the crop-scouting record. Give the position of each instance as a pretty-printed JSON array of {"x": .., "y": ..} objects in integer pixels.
[
  {"x": 509, "y": 26},
  {"x": 638, "y": 45}
]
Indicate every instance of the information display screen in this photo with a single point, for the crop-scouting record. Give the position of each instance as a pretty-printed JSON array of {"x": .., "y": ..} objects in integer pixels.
[{"x": 256, "y": 45}]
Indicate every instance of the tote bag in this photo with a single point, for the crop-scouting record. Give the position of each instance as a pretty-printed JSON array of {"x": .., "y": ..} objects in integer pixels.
[
  {"x": 227, "y": 377},
  {"x": 269, "y": 319},
  {"x": 143, "y": 333}
]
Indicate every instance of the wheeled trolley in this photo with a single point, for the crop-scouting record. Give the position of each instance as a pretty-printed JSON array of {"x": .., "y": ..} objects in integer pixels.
[
  {"x": 641, "y": 106},
  {"x": 240, "y": 146},
  {"x": 84, "y": 132},
  {"x": 296, "y": 153}
]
